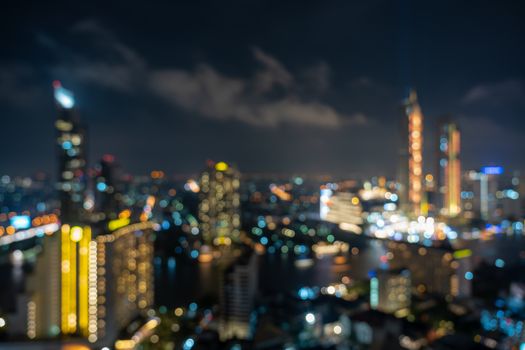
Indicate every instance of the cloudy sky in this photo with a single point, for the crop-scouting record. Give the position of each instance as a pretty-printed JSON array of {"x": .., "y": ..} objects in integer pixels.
[{"x": 276, "y": 87}]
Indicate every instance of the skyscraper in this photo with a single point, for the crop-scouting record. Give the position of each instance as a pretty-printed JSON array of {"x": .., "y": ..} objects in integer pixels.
[
  {"x": 71, "y": 142},
  {"x": 410, "y": 172},
  {"x": 43, "y": 292},
  {"x": 219, "y": 204},
  {"x": 124, "y": 279},
  {"x": 449, "y": 169},
  {"x": 438, "y": 270},
  {"x": 480, "y": 194},
  {"x": 91, "y": 286},
  {"x": 108, "y": 187},
  {"x": 390, "y": 290},
  {"x": 238, "y": 286},
  {"x": 91, "y": 279}
]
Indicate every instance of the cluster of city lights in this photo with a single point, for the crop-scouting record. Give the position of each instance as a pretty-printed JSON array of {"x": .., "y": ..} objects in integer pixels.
[{"x": 394, "y": 225}]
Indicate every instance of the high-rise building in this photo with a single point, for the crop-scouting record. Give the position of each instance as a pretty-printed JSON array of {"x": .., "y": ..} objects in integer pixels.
[
  {"x": 91, "y": 286},
  {"x": 410, "y": 172},
  {"x": 124, "y": 280},
  {"x": 92, "y": 279},
  {"x": 390, "y": 290},
  {"x": 238, "y": 287},
  {"x": 480, "y": 193},
  {"x": 71, "y": 145},
  {"x": 108, "y": 187},
  {"x": 449, "y": 169},
  {"x": 492, "y": 196},
  {"x": 438, "y": 270},
  {"x": 219, "y": 204},
  {"x": 43, "y": 299}
]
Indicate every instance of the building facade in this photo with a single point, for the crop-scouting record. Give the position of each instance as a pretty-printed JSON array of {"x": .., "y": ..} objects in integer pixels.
[
  {"x": 219, "y": 214},
  {"x": 90, "y": 285},
  {"x": 449, "y": 169},
  {"x": 390, "y": 290},
  {"x": 238, "y": 287},
  {"x": 71, "y": 150},
  {"x": 410, "y": 172},
  {"x": 441, "y": 271}
]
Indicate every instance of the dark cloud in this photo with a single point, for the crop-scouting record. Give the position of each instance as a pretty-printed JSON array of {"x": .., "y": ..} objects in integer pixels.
[
  {"x": 272, "y": 74},
  {"x": 204, "y": 90},
  {"x": 214, "y": 95},
  {"x": 315, "y": 88},
  {"x": 108, "y": 63}
]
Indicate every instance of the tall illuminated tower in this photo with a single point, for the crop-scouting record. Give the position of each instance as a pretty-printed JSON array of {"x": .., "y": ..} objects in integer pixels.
[
  {"x": 449, "y": 169},
  {"x": 71, "y": 144},
  {"x": 94, "y": 276},
  {"x": 219, "y": 204},
  {"x": 411, "y": 156}
]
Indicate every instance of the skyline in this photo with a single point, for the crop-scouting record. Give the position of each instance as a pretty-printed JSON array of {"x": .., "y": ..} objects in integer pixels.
[
  {"x": 177, "y": 97},
  {"x": 262, "y": 175}
]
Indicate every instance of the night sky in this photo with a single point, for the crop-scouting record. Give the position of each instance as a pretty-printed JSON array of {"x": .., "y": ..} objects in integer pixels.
[{"x": 304, "y": 87}]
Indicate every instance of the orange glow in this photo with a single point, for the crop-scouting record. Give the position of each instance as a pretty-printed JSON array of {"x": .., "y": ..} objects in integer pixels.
[
  {"x": 150, "y": 201},
  {"x": 279, "y": 192},
  {"x": 205, "y": 257},
  {"x": 157, "y": 174},
  {"x": 124, "y": 214},
  {"x": 415, "y": 161},
  {"x": 340, "y": 260}
]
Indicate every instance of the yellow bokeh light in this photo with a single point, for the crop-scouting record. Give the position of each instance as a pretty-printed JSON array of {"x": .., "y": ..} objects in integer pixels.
[
  {"x": 221, "y": 166},
  {"x": 179, "y": 311},
  {"x": 76, "y": 233}
]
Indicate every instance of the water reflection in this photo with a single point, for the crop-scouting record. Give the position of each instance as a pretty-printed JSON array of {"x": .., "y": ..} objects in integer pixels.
[{"x": 186, "y": 280}]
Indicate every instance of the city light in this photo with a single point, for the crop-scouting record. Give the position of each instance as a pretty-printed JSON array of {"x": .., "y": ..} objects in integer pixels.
[
  {"x": 415, "y": 153},
  {"x": 352, "y": 212},
  {"x": 63, "y": 97},
  {"x": 20, "y": 222},
  {"x": 118, "y": 223},
  {"x": 188, "y": 344},
  {"x": 310, "y": 318},
  {"x": 492, "y": 170},
  {"x": 23, "y": 235},
  {"x": 76, "y": 233},
  {"x": 221, "y": 166},
  {"x": 449, "y": 178}
]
